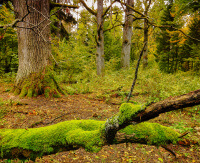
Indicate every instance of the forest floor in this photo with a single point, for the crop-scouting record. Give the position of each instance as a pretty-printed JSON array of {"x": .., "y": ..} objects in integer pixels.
[{"x": 18, "y": 112}]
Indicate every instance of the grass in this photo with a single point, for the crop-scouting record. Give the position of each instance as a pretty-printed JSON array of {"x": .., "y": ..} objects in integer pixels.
[{"x": 151, "y": 83}]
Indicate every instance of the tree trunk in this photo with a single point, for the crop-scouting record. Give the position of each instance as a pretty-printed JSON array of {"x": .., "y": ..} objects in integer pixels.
[
  {"x": 145, "y": 53},
  {"x": 100, "y": 39},
  {"x": 127, "y": 35},
  {"x": 146, "y": 30},
  {"x": 34, "y": 48}
]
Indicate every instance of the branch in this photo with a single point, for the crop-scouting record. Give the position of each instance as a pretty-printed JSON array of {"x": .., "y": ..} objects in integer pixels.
[
  {"x": 134, "y": 114},
  {"x": 108, "y": 8},
  {"x": 89, "y": 9},
  {"x": 113, "y": 27},
  {"x": 153, "y": 24},
  {"x": 13, "y": 24},
  {"x": 136, "y": 72},
  {"x": 53, "y": 4}
]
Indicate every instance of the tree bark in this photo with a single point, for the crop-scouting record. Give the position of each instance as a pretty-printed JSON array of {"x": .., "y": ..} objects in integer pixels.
[
  {"x": 100, "y": 39},
  {"x": 127, "y": 35},
  {"x": 34, "y": 49}
]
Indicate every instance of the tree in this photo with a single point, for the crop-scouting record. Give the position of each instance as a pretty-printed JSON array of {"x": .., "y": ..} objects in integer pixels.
[
  {"x": 167, "y": 40},
  {"x": 127, "y": 35},
  {"x": 100, "y": 16},
  {"x": 91, "y": 134},
  {"x": 34, "y": 48},
  {"x": 147, "y": 4},
  {"x": 100, "y": 39}
]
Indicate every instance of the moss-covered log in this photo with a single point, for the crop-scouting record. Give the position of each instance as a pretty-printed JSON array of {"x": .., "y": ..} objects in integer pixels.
[
  {"x": 36, "y": 142},
  {"x": 92, "y": 135},
  {"x": 38, "y": 84}
]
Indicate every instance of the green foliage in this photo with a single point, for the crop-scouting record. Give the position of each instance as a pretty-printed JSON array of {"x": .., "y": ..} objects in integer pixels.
[
  {"x": 191, "y": 47},
  {"x": 113, "y": 37},
  {"x": 167, "y": 48},
  {"x": 8, "y": 43},
  {"x": 75, "y": 61}
]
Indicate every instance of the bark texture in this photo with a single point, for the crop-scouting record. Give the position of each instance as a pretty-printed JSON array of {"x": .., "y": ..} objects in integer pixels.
[
  {"x": 127, "y": 35},
  {"x": 33, "y": 37},
  {"x": 100, "y": 39},
  {"x": 34, "y": 75}
]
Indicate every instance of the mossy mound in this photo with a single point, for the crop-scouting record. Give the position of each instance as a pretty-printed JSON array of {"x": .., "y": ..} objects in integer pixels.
[
  {"x": 35, "y": 142},
  {"x": 151, "y": 133},
  {"x": 38, "y": 84}
]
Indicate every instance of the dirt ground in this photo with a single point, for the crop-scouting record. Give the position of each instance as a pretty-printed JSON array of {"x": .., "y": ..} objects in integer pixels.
[{"x": 41, "y": 111}]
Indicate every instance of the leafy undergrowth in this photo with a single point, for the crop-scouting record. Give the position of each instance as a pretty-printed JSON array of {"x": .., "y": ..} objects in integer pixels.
[{"x": 38, "y": 112}]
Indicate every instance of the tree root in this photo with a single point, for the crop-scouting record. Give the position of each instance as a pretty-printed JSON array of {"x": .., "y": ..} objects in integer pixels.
[{"x": 42, "y": 83}]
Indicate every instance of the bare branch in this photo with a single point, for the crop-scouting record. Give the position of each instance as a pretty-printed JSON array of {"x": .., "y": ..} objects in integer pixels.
[
  {"x": 89, "y": 9},
  {"x": 108, "y": 8},
  {"x": 113, "y": 27}
]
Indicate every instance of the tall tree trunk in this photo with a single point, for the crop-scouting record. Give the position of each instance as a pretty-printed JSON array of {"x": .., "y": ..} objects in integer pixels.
[
  {"x": 33, "y": 51},
  {"x": 146, "y": 30},
  {"x": 100, "y": 39},
  {"x": 127, "y": 35},
  {"x": 34, "y": 47}
]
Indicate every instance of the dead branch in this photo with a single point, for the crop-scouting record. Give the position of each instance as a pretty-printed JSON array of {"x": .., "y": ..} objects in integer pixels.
[{"x": 136, "y": 72}]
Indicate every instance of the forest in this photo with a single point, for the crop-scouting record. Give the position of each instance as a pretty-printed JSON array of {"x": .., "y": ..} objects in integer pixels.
[{"x": 99, "y": 81}]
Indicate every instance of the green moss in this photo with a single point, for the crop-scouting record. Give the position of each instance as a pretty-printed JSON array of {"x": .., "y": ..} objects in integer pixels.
[
  {"x": 23, "y": 91},
  {"x": 128, "y": 111},
  {"x": 44, "y": 140},
  {"x": 30, "y": 92},
  {"x": 90, "y": 134},
  {"x": 151, "y": 133},
  {"x": 37, "y": 83}
]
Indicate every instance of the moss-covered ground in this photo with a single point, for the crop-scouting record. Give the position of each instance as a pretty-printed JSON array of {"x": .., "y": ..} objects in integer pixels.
[{"x": 27, "y": 113}]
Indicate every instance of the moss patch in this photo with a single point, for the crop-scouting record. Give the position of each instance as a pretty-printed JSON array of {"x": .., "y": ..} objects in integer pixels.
[
  {"x": 128, "y": 111},
  {"x": 49, "y": 139},
  {"x": 38, "y": 84},
  {"x": 151, "y": 133}
]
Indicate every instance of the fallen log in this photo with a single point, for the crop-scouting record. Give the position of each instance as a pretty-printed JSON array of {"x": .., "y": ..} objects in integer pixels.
[
  {"x": 130, "y": 114},
  {"x": 91, "y": 134}
]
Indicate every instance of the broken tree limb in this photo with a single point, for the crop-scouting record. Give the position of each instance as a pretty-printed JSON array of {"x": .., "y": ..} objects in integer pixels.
[{"x": 133, "y": 114}]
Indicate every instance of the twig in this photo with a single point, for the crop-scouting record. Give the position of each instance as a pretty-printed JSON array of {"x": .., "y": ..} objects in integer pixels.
[
  {"x": 169, "y": 150},
  {"x": 136, "y": 72}
]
